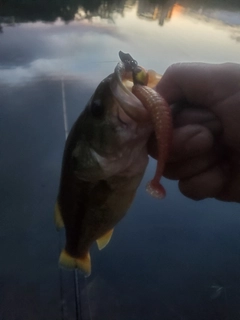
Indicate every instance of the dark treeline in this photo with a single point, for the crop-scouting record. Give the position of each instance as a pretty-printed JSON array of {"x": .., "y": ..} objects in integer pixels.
[
  {"x": 50, "y": 10},
  {"x": 33, "y": 10}
]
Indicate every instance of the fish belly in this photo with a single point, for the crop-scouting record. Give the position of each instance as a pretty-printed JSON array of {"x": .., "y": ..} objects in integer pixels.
[{"x": 91, "y": 213}]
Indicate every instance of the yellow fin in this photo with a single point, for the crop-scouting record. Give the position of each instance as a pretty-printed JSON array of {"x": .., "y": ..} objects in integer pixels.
[
  {"x": 103, "y": 241},
  {"x": 58, "y": 217},
  {"x": 69, "y": 262},
  {"x": 84, "y": 265}
]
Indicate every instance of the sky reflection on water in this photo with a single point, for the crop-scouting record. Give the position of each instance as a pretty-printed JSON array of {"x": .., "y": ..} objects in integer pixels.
[{"x": 87, "y": 47}]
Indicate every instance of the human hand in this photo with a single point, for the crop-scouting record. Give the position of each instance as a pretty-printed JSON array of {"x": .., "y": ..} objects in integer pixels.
[{"x": 205, "y": 155}]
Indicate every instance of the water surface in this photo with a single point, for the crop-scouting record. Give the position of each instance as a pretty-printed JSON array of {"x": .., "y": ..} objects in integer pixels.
[{"x": 174, "y": 259}]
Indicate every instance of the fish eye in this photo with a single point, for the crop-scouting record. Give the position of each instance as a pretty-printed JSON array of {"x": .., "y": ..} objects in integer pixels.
[{"x": 97, "y": 108}]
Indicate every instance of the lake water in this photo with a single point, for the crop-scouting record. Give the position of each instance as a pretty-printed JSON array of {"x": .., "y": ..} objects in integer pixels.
[{"x": 170, "y": 259}]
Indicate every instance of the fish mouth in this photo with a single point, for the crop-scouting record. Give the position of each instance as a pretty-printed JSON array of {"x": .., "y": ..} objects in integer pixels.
[{"x": 121, "y": 86}]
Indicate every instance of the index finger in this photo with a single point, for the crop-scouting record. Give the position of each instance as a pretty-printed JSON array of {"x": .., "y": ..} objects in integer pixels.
[{"x": 199, "y": 83}]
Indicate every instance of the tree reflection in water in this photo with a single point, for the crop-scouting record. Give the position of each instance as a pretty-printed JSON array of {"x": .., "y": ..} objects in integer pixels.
[{"x": 67, "y": 10}]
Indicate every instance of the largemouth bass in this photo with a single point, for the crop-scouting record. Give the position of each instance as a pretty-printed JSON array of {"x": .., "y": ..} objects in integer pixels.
[{"x": 105, "y": 158}]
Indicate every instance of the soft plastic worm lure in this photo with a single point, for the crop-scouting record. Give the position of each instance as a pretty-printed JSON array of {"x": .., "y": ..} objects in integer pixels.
[{"x": 161, "y": 117}]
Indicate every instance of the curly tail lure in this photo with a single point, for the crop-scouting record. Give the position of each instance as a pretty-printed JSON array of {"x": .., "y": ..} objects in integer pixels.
[
  {"x": 161, "y": 117},
  {"x": 162, "y": 122}
]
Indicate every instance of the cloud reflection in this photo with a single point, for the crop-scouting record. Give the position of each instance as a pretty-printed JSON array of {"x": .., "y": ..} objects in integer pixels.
[
  {"x": 32, "y": 50},
  {"x": 88, "y": 46}
]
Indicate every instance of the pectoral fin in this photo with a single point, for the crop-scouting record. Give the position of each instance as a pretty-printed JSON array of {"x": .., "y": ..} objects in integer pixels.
[
  {"x": 69, "y": 262},
  {"x": 103, "y": 241},
  {"x": 58, "y": 217}
]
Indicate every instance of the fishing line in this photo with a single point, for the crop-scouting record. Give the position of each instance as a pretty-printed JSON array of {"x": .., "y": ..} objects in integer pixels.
[
  {"x": 64, "y": 107},
  {"x": 76, "y": 283},
  {"x": 78, "y": 305},
  {"x": 88, "y": 303},
  {"x": 63, "y": 313},
  {"x": 77, "y": 297}
]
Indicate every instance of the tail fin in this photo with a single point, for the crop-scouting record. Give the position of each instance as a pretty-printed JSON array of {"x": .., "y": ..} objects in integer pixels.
[{"x": 69, "y": 262}]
